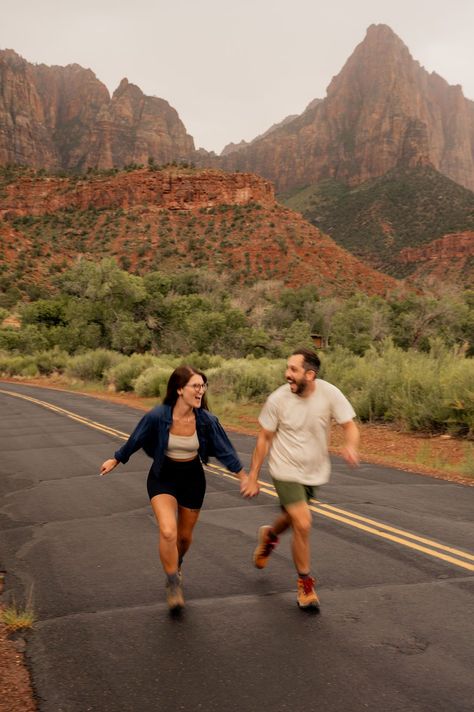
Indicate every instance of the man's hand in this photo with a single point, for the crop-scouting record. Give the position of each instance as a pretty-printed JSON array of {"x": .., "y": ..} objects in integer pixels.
[
  {"x": 350, "y": 455},
  {"x": 350, "y": 450},
  {"x": 248, "y": 485},
  {"x": 108, "y": 466}
]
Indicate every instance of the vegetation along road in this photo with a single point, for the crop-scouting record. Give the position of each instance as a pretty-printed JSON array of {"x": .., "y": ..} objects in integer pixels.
[{"x": 391, "y": 554}]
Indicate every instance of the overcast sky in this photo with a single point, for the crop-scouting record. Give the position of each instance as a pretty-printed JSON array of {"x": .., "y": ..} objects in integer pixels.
[{"x": 232, "y": 68}]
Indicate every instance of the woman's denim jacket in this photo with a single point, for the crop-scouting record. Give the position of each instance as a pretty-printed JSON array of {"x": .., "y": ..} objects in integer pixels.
[{"x": 152, "y": 433}]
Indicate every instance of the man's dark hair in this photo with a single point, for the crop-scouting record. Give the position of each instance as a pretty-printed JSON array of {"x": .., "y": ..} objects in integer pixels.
[{"x": 311, "y": 360}]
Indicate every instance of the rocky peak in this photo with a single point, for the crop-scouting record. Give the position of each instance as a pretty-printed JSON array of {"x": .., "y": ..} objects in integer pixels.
[
  {"x": 125, "y": 87},
  {"x": 381, "y": 111},
  {"x": 64, "y": 118},
  {"x": 121, "y": 87}
]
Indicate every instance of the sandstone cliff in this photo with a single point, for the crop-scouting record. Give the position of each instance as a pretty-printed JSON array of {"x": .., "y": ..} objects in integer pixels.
[
  {"x": 231, "y": 147},
  {"x": 161, "y": 189},
  {"x": 64, "y": 118},
  {"x": 381, "y": 111}
]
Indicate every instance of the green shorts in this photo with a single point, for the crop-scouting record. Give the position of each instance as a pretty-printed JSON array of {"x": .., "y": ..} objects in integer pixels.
[{"x": 293, "y": 492}]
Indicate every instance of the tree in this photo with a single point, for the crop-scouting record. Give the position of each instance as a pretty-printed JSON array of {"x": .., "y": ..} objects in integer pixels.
[
  {"x": 360, "y": 322},
  {"x": 130, "y": 337}
]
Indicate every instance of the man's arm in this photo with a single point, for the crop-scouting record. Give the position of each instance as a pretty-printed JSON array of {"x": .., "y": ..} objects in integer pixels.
[
  {"x": 264, "y": 440},
  {"x": 350, "y": 450}
]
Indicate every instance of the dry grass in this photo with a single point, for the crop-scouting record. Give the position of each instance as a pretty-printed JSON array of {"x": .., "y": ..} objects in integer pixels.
[{"x": 16, "y": 617}]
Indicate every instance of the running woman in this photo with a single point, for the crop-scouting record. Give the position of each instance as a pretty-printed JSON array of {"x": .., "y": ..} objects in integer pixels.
[{"x": 179, "y": 435}]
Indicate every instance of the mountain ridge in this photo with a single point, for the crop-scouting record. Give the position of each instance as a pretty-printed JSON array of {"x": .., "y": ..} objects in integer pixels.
[
  {"x": 383, "y": 109},
  {"x": 168, "y": 219}
]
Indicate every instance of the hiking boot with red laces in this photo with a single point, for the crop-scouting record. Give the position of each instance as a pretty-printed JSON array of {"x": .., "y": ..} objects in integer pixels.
[
  {"x": 265, "y": 546},
  {"x": 307, "y": 596}
]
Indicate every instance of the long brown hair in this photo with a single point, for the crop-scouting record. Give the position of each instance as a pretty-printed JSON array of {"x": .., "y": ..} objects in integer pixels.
[{"x": 178, "y": 379}]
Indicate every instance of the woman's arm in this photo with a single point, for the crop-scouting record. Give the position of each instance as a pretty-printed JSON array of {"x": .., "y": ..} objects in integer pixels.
[
  {"x": 134, "y": 443},
  {"x": 226, "y": 454}
]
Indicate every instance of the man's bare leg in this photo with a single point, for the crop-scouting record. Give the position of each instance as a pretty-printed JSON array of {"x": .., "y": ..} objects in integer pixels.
[{"x": 300, "y": 518}]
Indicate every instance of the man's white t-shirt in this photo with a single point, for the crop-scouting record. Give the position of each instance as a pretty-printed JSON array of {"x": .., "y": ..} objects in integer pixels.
[{"x": 299, "y": 449}]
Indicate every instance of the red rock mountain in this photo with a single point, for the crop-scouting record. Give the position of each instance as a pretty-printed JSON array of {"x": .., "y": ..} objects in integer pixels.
[
  {"x": 63, "y": 118},
  {"x": 169, "y": 219},
  {"x": 381, "y": 111}
]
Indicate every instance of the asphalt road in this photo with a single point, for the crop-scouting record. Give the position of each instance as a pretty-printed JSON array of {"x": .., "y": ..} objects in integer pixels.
[{"x": 391, "y": 553}]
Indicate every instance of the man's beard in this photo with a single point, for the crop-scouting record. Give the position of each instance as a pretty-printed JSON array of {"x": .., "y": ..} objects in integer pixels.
[{"x": 301, "y": 387}]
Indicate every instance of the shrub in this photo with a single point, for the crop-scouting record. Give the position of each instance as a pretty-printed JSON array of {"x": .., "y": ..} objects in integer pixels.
[
  {"x": 152, "y": 382},
  {"x": 92, "y": 365},
  {"x": 124, "y": 373},
  {"x": 203, "y": 362},
  {"x": 18, "y": 366},
  {"x": 429, "y": 392},
  {"x": 25, "y": 340},
  {"x": 51, "y": 361},
  {"x": 246, "y": 379}
]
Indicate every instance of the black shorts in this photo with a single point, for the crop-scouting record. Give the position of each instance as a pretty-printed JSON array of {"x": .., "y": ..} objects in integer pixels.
[{"x": 183, "y": 480}]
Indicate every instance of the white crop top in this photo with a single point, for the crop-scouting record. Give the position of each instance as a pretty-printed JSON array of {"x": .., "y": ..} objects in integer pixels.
[{"x": 182, "y": 447}]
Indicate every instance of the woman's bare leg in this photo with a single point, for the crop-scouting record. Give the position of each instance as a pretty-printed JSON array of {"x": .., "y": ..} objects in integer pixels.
[
  {"x": 187, "y": 519},
  {"x": 165, "y": 508}
]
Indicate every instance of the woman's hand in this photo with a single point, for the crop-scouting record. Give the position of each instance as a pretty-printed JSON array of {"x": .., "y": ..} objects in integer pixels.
[
  {"x": 248, "y": 485},
  {"x": 108, "y": 466}
]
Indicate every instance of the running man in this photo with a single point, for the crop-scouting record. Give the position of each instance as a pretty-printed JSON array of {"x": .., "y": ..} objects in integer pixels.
[{"x": 295, "y": 423}]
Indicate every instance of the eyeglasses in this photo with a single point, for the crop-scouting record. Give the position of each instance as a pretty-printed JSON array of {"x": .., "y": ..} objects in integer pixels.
[{"x": 198, "y": 387}]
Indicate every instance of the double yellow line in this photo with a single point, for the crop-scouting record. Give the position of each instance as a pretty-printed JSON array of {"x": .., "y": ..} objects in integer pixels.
[
  {"x": 384, "y": 531},
  {"x": 69, "y": 414},
  {"x": 449, "y": 554}
]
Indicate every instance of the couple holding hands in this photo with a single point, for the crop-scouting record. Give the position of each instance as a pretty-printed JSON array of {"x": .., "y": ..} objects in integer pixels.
[{"x": 181, "y": 434}]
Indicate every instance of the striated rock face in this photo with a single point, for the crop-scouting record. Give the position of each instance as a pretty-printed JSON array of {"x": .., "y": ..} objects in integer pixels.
[
  {"x": 383, "y": 110},
  {"x": 167, "y": 189},
  {"x": 25, "y": 136},
  {"x": 64, "y": 118}
]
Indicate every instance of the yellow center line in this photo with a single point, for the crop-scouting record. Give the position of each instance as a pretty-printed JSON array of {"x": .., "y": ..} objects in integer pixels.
[
  {"x": 384, "y": 531},
  {"x": 351, "y": 520},
  {"x": 406, "y": 534},
  {"x": 69, "y": 414}
]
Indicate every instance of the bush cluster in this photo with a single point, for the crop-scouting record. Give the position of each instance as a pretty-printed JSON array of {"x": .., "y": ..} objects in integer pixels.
[{"x": 430, "y": 392}]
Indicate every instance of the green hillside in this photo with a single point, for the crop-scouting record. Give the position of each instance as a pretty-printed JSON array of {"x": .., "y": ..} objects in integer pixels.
[{"x": 375, "y": 220}]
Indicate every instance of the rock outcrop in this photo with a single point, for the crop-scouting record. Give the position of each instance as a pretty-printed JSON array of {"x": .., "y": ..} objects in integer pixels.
[
  {"x": 63, "y": 118},
  {"x": 449, "y": 257},
  {"x": 163, "y": 189},
  {"x": 381, "y": 111}
]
